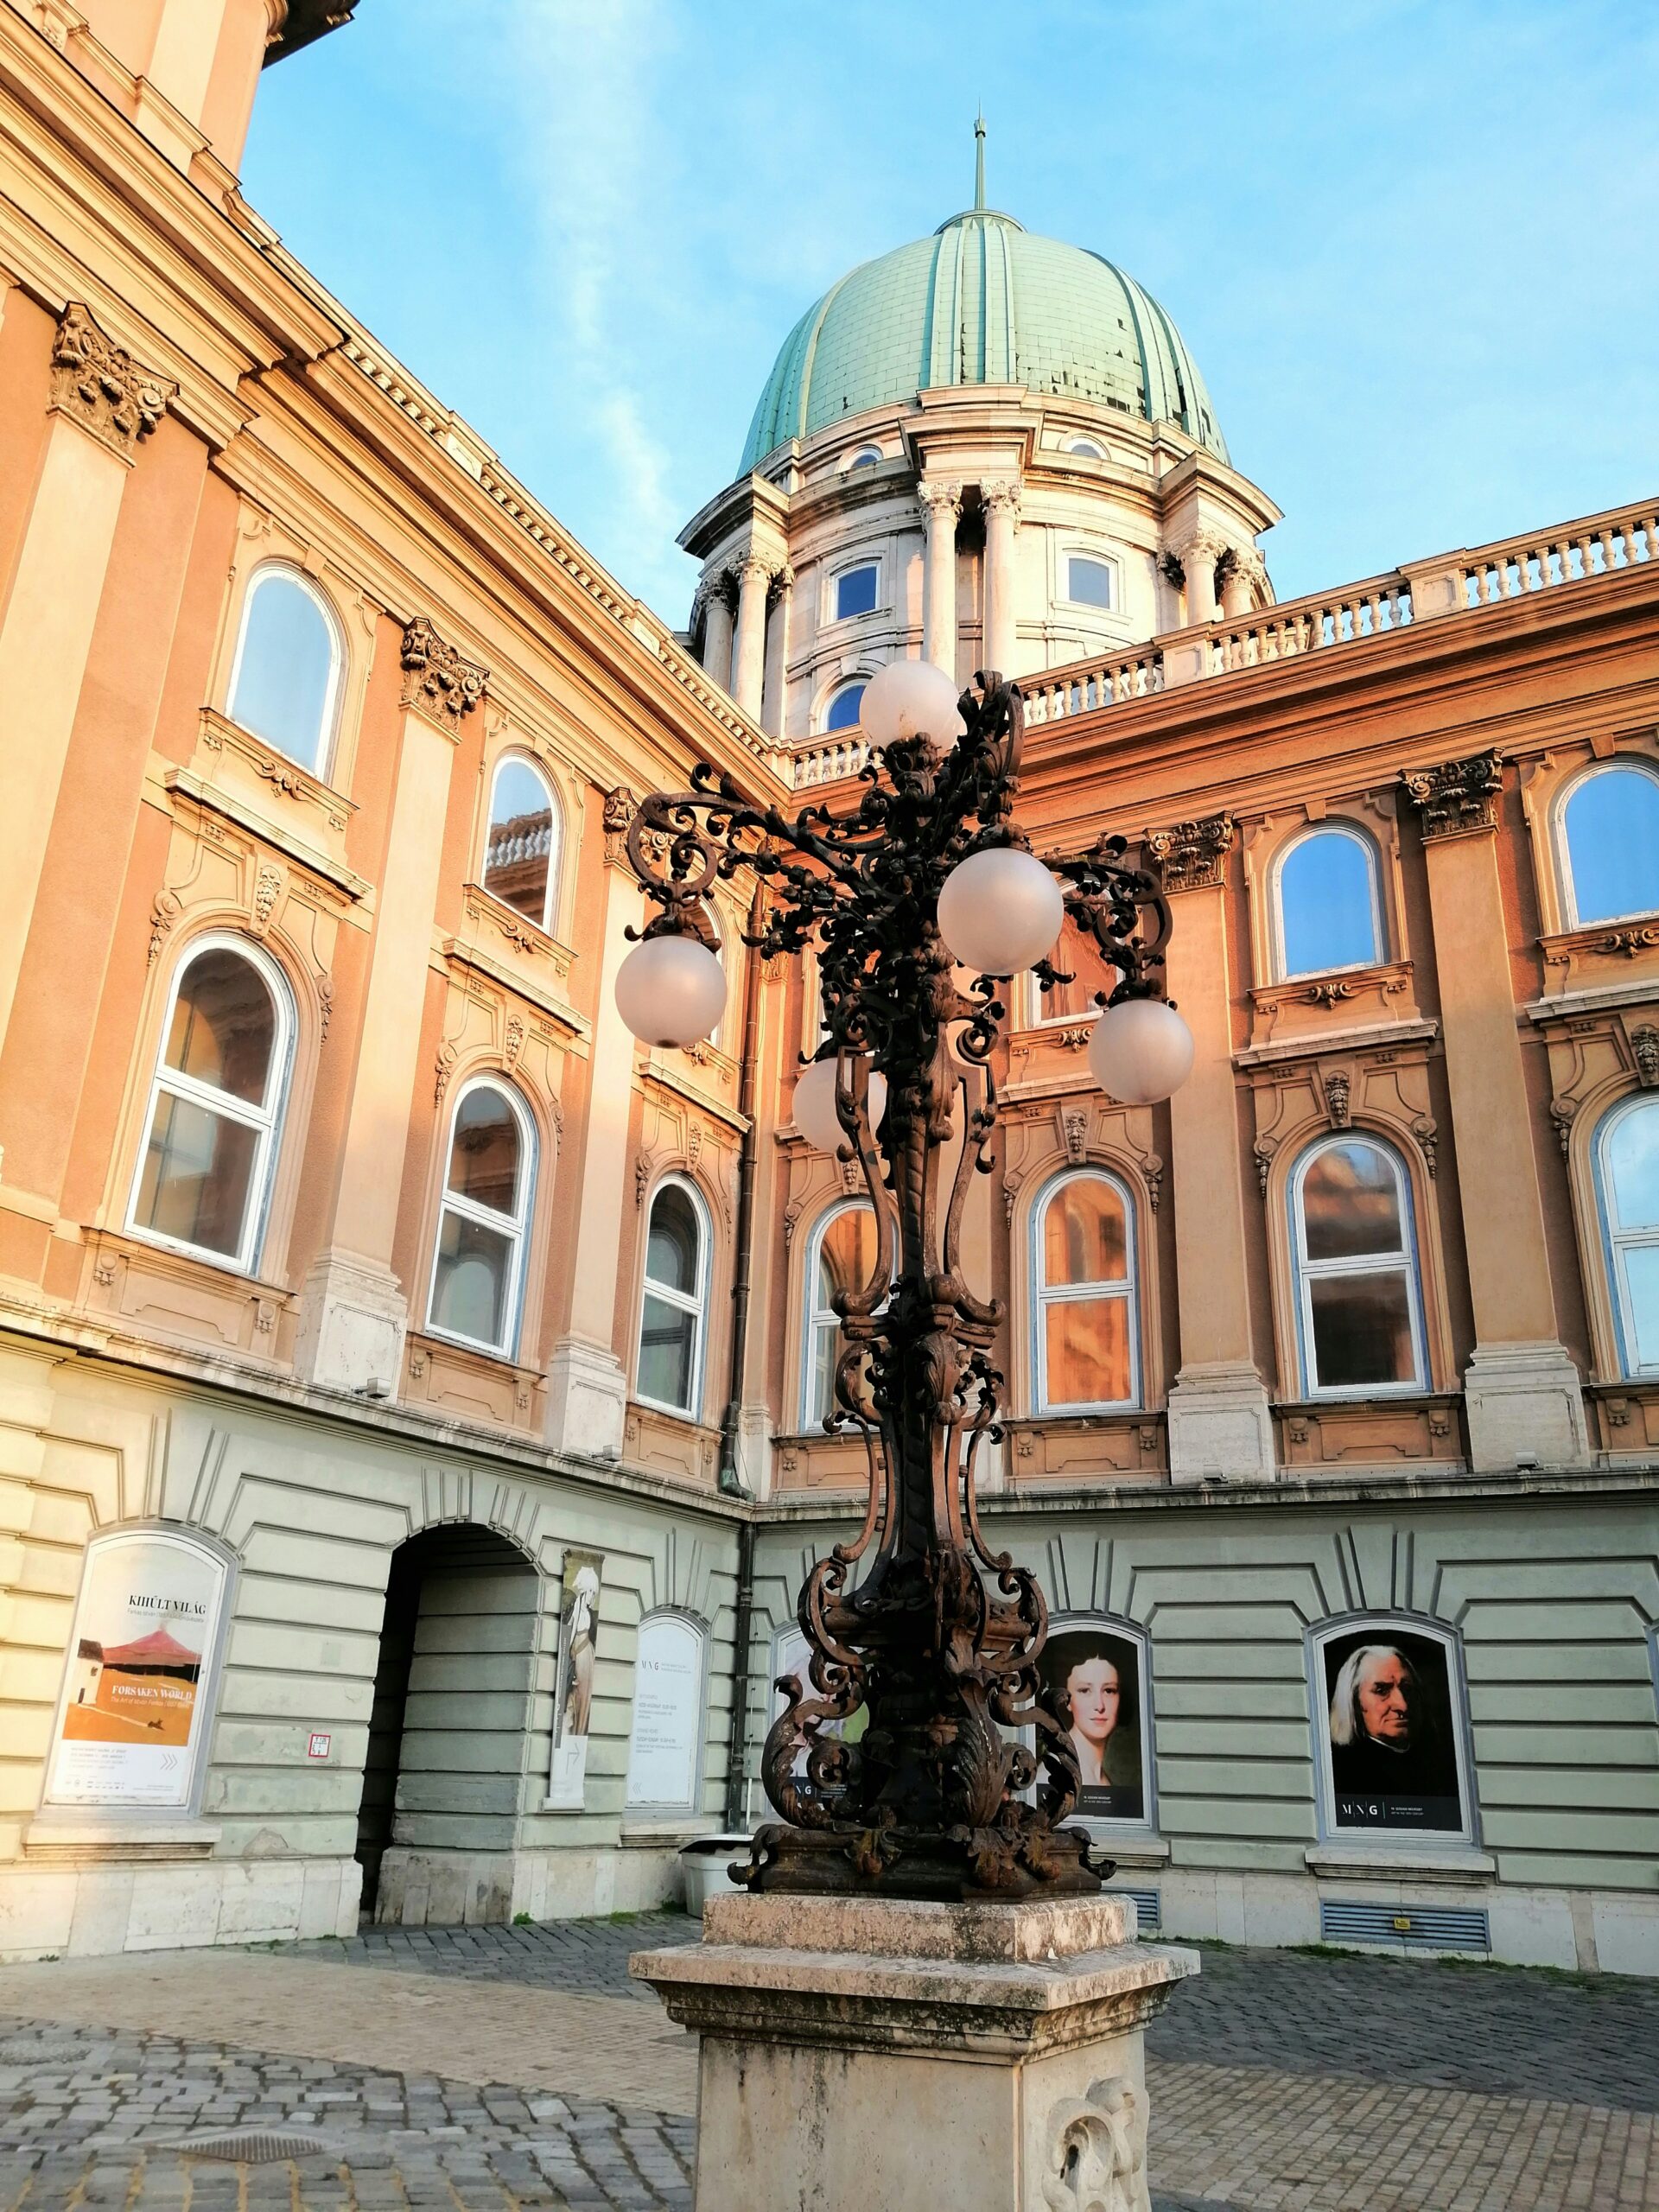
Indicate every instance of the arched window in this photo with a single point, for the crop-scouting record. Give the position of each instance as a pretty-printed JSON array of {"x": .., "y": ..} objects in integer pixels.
[
  {"x": 866, "y": 457},
  {"x": 1610, "y": 844},
  {"x": 285, "y": 683},
  {"x": 855, "y": 591},
  {"x": 1088, "y": 582},
  {"x": 477, "y": 1269},
  {"x": 521, "y": 852},
  {"x": 204, "y": 1180},
  {"x": 1627, "y": 1174},
  {"x": 845, "y": 707},
  {"x": 674, "y": 1312},
  {"x": 839, "y": 1258},
  {"x": 1086, "y": 449},
  {"x": 665, "y": 1739},
  {"x": 1354, "y": 1244},
  {"x": 1076, "y": 955},
  {"x": 1326, "y": 913},
  {"x": 1085, "y": 1353}
]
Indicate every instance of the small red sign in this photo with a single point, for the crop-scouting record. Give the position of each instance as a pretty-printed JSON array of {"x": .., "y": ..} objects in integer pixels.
[{"x": 318, "y": 1747}]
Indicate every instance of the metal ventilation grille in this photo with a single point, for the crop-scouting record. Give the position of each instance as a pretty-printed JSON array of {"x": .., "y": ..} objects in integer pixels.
[
  {"x": 1148, "y": 1907},
  {"x": 252, "y": 2147},
  {"x": 1439, "y": 1928}
]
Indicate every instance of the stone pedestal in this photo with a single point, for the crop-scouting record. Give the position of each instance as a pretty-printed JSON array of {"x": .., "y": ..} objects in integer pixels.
[
  {"x": 860, "y": 2054},
  {"x": 353, "y": 1322},
  {"x": 1220, "y": 1425},
  {"x": 587, "y": 1400},
  {"x": 1525, "y": 1407}
]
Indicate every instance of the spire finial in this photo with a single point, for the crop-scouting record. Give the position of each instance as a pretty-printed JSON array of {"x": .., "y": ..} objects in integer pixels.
[{"x": 979, "y": 160}]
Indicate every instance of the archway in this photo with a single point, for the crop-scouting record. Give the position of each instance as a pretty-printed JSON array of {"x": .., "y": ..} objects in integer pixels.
[{"x": 444, "y": 1765}]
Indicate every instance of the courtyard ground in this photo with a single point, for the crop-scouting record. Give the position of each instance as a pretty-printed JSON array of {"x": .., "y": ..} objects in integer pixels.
[{"x": 507, "y": 2067}]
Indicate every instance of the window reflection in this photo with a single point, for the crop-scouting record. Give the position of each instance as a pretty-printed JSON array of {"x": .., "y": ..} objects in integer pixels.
[
  {"x": 672, "y": 1310},
  {"x": 1085, "y": 1352},
  {"x": 1088, "y": 582},
  {"x": 1076, "y": 955},
  {"x": 479, "y": 1263},
  {"x": 845, "y": 709},
  {"x": 286, "y": 668},
  {"x": 1627, "y": 1164},
  {"x": 1326, "y": 904},
  {"x": 844, "y": 1260},
  {"x": 1612, "y": 845},
  {"x": 855, "y": 592},
  {"x": 521, "y": 853},
  {"x": 1357, "y": 1270},
  {"x": 205, "y": 1169}
]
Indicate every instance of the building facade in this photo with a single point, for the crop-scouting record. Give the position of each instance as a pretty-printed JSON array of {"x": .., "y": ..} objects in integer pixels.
[{"x": 411, "y": 1431}]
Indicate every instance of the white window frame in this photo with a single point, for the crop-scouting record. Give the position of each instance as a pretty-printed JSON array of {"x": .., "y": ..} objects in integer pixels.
[
  {"x": 1406, "y": 1841},
  {"x": 664, "y": 1807},
  {"x": 517, "y": 755},
  {"x": 1306, "y": 1271},
  {"x": 266, "y": 1118},
  {"x": 844, "y": 684},
  {"x": 515, "y": 1227},
  {"x": 694, "y": 1302},
  {"x": 1100, "y": 560},
  {"x": 1616, "y": 1242},
  {"x": 1037, "y": 1002},
  {"x": 1044, "y": 1294},
  {"x": 1564, "y": 845},
  {"x": 866, "y": 456},
  {"x": 1331, "y": 827},
  {"x": 815, "y": 1317},
  {"x": 327, "y": 735},
  {"x": 1087, "y": 448}
]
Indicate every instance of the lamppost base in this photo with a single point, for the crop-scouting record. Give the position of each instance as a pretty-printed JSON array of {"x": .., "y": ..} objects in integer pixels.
[
  {"x": 874, "y": 2052},
  {"x": 1016, "y": 1860}
]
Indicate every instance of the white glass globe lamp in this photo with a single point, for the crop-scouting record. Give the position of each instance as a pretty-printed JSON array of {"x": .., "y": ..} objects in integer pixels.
[
  {"x": 815, "y": 1106},
  {"x": 1141, "y": 1052},
  {"x": 670, "y": 990},
  {"x": 999, "y": 910},
  {"x": 910, "y": 699}
]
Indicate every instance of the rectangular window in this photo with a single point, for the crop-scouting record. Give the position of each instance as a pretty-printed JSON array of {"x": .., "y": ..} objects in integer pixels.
[
  {"x": 1088, "y": 583},
  {"x": 855, "y": 592}
]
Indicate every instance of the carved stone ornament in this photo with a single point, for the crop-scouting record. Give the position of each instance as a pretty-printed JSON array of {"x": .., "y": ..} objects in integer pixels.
[
  {"x": 1427, "y": 1131},
  {"x": 1645, "y": 1048},
  {"x": 165, "y": 909},
  {"x": 1337, "y": 1090},
  {"x": 267, "y": 889},
  {"x": 1171, "y": 569},
  {"x": 1076, "y": 1129},
  {"x": 513, "y": 1043},
  {"x": 641, "y": 1177},
  {"x": 437, "y": 682},
  {"x": 1002, "y": 492},
  {"x": 1193, "y": 854},
  {"x": 1626, "y": 943},
  {"x": 1457, "y": 800},
  {"x": 939, "y": 497},
  {"x": 1093, "y": 2160},
  {"x": 100, "y": 386},
  {"x": 1264, "y": 1149},
  {"x": 1561, "y": 1111},
  {"x": 325, "y": 1007}
]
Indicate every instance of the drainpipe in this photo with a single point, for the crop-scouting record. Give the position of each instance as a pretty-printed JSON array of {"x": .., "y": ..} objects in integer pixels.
[{"x": 731, "y": 1482}]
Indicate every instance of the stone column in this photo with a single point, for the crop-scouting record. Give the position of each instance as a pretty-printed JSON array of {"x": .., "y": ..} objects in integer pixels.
[
  {"x": 353, "y": 1313},
  {"x": 1001, "y": 521},
  {"x": 717, "y": 632},
  {"x": 1524, "y": 1397},
  {"x": 942, "y": 507},
  {"x": 1220, "y": 1423},
  {"x": 1199, "y": 559},
  {"x": 102, "y": 406},
  {"x": 587, "y": 1383},
  {"x": 775, "y": 687},
  {"x": 867, "y": 2051},
  {"x": 749, "y": 653}
]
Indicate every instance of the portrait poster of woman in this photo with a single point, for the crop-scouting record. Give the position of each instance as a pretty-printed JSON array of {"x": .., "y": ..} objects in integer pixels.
[
  {"x": 1388, "y": 1715},
  {"x": 1099, "y": 1668}
]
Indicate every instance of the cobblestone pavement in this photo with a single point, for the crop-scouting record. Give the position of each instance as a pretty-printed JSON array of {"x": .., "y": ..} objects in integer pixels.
[{"x": 1279, "y": 2082}]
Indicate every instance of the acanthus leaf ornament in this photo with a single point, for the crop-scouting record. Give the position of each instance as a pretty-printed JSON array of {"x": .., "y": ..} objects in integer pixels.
[
  {"x": 99, "y": 384},
  {"x": 916, "y": 1619},
  {"x": 1458, "y": 798},
  {"x": 438, "y": 681}
]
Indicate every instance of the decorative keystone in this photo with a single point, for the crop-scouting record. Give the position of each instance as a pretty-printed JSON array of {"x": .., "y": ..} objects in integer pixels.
[
  {"x": 1191, "y": 853},
  {"x": 1457, "y": 800},
  {"x": 99, "y": 385},
  {"x": 437, "y": 682}
]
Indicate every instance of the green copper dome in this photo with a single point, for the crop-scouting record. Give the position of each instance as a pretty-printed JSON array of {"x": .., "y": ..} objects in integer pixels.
[{"x": 982, "y": 301}]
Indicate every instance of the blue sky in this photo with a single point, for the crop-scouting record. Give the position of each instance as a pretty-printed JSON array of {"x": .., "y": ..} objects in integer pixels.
[{"x": 1413, "y": 247}]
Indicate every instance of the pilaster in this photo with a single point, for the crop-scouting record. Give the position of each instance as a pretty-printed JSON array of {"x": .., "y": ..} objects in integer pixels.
[
  {"x": 1523, "y": 1398},
  {"x": 1002, "y": 498},
  {"x": 354, "y": 1313},
  {"x": 103, "y": 406},
  {"x": 1219, "y": 1422}
]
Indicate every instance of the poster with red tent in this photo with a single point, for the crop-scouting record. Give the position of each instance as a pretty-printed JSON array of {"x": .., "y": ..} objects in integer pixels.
[{"x": 143, "y": 1690}]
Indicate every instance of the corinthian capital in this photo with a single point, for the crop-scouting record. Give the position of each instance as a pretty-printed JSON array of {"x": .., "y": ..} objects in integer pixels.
[
  {"x": 1457, "y": 800},
  {"x": 1191, "y": 853},
  {"x": 1205, "y": 544},
  {"x": 1001, "y": 492},
  {"x": 100, "y": 386},
  {"x": 437, "y": 682},
  {"x": 942, "y": 499}
]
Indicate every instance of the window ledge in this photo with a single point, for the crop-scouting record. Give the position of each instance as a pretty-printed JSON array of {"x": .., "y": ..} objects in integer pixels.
[
  {"x": 1309, "y": 1044},
  {"x": 1130, "y": 1854},
  {"x": 1362, "y": 1862},
  {"x": 86, "y": 1839},
  {"x": 675, "y": 1829}
]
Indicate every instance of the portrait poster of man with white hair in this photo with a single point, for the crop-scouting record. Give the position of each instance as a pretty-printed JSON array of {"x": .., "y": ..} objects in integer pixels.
[{"x": 1390, "y": 1722}]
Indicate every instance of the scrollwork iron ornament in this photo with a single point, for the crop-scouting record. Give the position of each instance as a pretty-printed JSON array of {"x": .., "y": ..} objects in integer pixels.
[{"x": 918, "y": 1621}]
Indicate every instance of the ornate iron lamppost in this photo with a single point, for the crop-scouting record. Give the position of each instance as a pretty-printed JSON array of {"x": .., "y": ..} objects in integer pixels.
[{"x": 938, "y": 1635}]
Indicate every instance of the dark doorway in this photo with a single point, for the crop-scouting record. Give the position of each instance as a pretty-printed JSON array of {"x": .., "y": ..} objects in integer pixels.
[{"x": 444, "y": 1766}]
